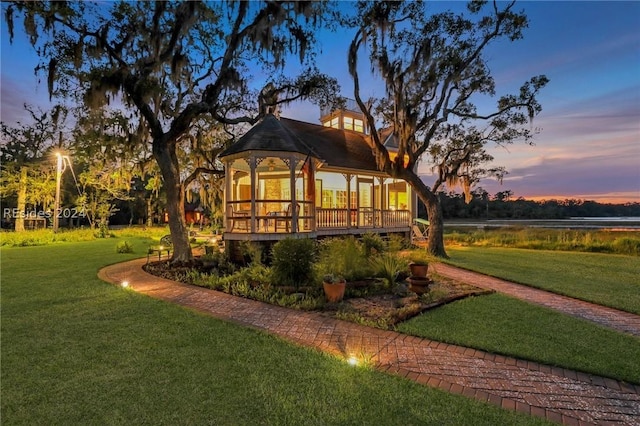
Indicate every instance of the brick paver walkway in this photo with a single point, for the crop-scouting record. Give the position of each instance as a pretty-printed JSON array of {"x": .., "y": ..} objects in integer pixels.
[
  {"x": 556, "y": 394},
  {"x": 609, "y": 317}
]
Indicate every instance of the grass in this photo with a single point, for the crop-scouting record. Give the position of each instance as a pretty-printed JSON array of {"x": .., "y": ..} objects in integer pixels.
[
  {"x": 605, "y": 279},
  {"x": 503, "y": 325},
  {"x": 597, "y": 241},
  {"x": 76, "y": 350},
  {"x": 42, "y": 237}
]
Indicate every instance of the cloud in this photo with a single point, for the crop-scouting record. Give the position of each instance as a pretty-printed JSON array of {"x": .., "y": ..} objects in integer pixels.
[{"x": 595, "y": 175}]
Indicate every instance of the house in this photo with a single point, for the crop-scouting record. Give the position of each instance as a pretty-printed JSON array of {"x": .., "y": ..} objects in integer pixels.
[{"x": 290, "y": 178}]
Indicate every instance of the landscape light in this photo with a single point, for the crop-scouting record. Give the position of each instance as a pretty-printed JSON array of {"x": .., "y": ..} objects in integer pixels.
[
  {"x": 124, "y": 284},
  {"x": 352, "y": 360}
]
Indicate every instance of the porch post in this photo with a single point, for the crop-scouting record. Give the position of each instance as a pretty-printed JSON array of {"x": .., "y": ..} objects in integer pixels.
[
  {"x": 348, "y": 178},
  {"x": 380, "y": 203},
  {"x": 228, "y": 195},
  {"x": 310, "y": 195},
  {"x": 292, "y": 184},
  {"x": 253, "y": 194}
]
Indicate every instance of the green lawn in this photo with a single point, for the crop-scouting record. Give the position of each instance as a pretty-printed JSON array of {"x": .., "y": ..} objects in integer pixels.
[
  {"x": 500, "y": 324},
  {"x": 605, "y": 279},
  {"x": 78, "y": 351}
]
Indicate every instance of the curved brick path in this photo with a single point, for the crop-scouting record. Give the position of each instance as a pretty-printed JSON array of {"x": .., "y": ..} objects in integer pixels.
[
  {"x": 608, "y": 317},
  {"x": 556, "y": 394}
]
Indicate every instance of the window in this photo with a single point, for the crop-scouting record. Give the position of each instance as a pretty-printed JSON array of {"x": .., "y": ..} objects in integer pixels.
[
  {"x": 327, "y": 198},
  {"x": 335, "y": 123},
  {"x": 358, "y": 125},
  {"x": 327, "y": 124},
  {"x": 347, "y": 123}
]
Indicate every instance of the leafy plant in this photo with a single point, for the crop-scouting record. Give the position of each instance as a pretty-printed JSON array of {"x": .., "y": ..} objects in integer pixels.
[
  {"x": 103, "y": 231},
  {"x": 124, "y": 247},
  {"x": 343, "y": 256},
  {"x": 292, "y": 261},
  {"x": 252, "y": 251},
  {"x": 372, "y": 244},
  {"x": 396, "y": 242},
  {"x": 388, "y": 266},
  {"x": 332, "y": 278},
  {"x": 419, "y": 257}
]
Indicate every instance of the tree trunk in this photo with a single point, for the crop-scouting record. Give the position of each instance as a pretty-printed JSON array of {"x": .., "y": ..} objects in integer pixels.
[
  {"x": 167, "y": 160},
  {"x": 149, "y": 212},
  {"x": 22, "y": 200},
  {"x": 435, "y": 238}
]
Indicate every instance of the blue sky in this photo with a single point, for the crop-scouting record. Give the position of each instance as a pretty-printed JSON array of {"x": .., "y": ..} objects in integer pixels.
[{"x": 589, "y": 147}]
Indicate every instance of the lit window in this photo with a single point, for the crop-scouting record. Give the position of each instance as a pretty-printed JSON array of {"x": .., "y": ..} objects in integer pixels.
[
  {"x": 358, "y": 125},
  {"x": 327, "y": 124},
  {"x": 347, "y": 123},
  {"x": 335, "y": 123}
]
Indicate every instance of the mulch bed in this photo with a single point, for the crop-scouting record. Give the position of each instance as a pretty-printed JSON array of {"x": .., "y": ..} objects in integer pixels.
[
  {"x": 378, "y": 310},
  {"x": 387, "y": 310}
]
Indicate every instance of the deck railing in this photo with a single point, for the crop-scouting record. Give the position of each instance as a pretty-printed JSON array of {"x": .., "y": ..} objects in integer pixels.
[{"x": 275, "y": 216}]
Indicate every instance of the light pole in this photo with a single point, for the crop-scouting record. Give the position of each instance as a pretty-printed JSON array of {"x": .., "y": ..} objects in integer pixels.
[
  {"x": 59, "y": 170},
  {"x": 56, "y": 215}
]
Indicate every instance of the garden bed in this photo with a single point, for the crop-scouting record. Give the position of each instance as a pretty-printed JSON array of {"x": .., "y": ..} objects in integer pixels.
[{"x": 366, "y": 302}]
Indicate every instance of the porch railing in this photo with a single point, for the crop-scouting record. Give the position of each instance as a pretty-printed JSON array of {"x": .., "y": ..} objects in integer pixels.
[
  {"x": 277, "y": 216},
  {"x": 364, "y": 217}
]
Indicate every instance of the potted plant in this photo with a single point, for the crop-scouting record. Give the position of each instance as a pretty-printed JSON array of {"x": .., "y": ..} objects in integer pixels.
[
  {"x": 418, "y": 266},
  {"x": 334, "y": 286}
]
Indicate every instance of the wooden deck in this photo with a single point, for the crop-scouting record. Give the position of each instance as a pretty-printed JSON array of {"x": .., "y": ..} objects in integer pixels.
[{"x": 326, "y": 222}]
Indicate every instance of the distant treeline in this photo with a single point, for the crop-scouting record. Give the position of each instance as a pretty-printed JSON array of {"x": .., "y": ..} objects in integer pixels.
[{"x": 503, "y": 206}]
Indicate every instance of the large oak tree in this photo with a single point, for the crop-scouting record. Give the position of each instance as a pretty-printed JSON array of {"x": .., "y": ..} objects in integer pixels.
[
  {"x": 173, "y": 63},
  {"x": 433, "y": 69}
]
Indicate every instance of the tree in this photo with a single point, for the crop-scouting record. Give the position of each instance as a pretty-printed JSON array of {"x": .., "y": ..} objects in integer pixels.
[
  {"x": 172, "y": 63},
  {"x": 107, "y": 163},
  {"x": 434, "y": 71},
  {"x": 26, "y": 170}
]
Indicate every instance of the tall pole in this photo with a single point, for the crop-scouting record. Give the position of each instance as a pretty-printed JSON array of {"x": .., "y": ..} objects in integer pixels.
[{"x": 56, "y": 210}]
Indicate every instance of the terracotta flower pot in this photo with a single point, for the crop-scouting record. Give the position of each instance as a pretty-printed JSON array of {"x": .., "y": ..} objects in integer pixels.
[
  {"x": 418, "y": 269},
  {"x": 419, "y": 285},
  {"x": 334, "y": 291}
]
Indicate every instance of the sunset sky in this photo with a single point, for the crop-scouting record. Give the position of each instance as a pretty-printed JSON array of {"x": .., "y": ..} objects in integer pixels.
[{"x": 589, "y": 147}]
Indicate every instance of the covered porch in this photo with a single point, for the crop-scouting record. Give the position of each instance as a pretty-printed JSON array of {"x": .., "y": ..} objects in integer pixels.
[
  {"x": 288, "y": 178},
  {"x": 269, "y": 197}
]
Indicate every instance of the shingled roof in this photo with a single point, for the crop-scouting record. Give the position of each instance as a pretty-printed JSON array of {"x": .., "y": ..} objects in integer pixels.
[
  {"x": 269, "y": 135},
  {"x": 336, "y": 148}
]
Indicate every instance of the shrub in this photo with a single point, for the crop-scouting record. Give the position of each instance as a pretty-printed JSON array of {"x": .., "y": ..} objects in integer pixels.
[
  {"x": 292, "y": 261},
  {"x": 124, "y": 247},
  {"x": 388, "y": 266},
  {"x": 103, "y": 231},
  {"x": 372, "y": 244},
  {"x": 343, "y": 256},
  {"x": 252, "y": 252},
  {"x": 396, "y": 242},
  {"x": 42, "y": 237},
  {"x": 142, "y": 232},
  {"x": 627, "y": 245}
]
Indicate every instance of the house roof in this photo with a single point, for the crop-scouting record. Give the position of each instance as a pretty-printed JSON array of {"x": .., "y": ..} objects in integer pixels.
[
  {"x": 269, "y": 135},
  {"x": 336, "y": 148}
]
